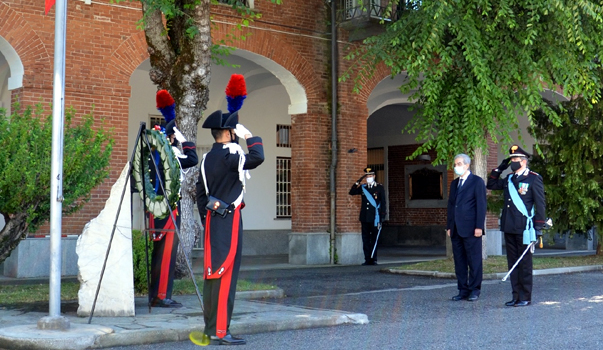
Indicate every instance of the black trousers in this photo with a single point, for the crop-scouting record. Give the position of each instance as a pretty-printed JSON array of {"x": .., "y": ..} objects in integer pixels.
[
  {"x": 163, "y": 258},
  {"x": 468, "y": 265},
  {"x": 521, "y": 277},
  {"x": 369, "y": 239},
  {"x": 219, "y": 293}
]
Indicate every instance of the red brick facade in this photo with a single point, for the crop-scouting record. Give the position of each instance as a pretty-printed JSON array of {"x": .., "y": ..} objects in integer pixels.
[{"x": 104, "y": 49}]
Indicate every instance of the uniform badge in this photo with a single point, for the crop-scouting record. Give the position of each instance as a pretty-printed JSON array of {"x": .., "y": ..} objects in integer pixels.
[{"x": 523, "y": 188}]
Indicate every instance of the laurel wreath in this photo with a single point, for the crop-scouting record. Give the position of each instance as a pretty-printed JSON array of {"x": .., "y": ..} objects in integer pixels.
[{"x": 155, "y": 203}]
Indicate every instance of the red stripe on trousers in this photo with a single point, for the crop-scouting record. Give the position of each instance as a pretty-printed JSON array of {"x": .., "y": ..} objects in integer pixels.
[
  {"x": 166, "y": 259},
  {"x": 222, "y": 317}
]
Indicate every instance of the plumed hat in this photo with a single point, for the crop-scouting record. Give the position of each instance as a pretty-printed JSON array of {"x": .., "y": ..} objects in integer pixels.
[
  {"x": 219, "y": 120},
  {"x": 236, "y": 92},
  {"x": 516, "y": 151},
  {"x": 166, "y": 105}
]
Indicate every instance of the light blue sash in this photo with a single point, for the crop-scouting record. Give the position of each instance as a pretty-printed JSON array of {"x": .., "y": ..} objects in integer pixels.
[
  {"x": 371, "y": 200},
  {"x": 529, "y": 234}
]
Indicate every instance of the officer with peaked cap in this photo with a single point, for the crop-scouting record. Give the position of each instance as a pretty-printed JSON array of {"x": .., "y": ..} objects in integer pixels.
[
  {"x": 522, "y": 220},
  {"x": 372, "y": 213},
  {"x": 220, "y": 190}
]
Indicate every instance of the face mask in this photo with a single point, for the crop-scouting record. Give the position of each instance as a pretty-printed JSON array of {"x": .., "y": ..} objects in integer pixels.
[
  {"x": 515, "y": 166},
  {"x": 459, "y": 170},
  {"x": 370, "y": 180}
]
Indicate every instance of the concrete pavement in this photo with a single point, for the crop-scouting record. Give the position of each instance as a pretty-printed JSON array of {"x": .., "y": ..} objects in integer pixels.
[
  {"x": 18, "y": 328},
  {"x": 251, "y": 315}
]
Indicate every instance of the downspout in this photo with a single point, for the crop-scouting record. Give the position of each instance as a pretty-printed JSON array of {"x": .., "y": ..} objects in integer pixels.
[{"x": 333, "y": 122}]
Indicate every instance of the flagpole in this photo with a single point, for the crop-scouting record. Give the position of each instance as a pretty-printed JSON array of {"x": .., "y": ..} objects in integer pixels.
[{"x": 55, "y": 320}]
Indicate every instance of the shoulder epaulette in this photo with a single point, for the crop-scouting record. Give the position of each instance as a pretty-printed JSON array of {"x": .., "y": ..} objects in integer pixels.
[{"x": 533, "y": 172}]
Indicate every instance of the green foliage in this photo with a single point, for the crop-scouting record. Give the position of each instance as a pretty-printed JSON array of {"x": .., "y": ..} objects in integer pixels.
[
  {"x": 25, "y": 161},
  {"x": 473, "y": 66},
  {"x": 140, "y": 242},
  {"x": 181, "y": 22},
  {"x": 572, "y": 164}
]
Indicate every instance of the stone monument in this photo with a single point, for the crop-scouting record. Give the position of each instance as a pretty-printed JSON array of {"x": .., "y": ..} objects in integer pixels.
[{"x": 116, "y": 295}]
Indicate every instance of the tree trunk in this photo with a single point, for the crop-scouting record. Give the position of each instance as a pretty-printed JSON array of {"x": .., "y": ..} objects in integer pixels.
[
  {"x": 480, "y": 168},
  {"x": 181, "y": 64},
  {"x": 14, "y": 230}
]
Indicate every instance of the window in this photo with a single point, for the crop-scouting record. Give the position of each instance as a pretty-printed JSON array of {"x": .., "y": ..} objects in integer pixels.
[
  {"x": 156, "y": 120},
  {"x": 244, "y": 3},
  {"x": 375, "y": 160},
  {"x": 282, "y": 135},
  {"x": 283, "y": 187}
]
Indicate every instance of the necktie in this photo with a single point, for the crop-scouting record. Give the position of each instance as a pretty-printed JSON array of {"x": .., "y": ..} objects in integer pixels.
[{"x": 461, "y": 183}]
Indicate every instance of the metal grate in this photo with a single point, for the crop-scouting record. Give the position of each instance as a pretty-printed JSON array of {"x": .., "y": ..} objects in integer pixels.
[
  {"x": 283, "y": 138},
  {"x": 376, "y": 160},
  {"x": 156, "y": 120},
  {"x": 283, "y": 187}
]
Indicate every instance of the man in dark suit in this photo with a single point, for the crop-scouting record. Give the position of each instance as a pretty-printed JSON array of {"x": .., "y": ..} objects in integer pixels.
[
  {"x": 465, "y": 227},
  {"x": 520, "y": 229},
  {"x": 372, "y": 213}
]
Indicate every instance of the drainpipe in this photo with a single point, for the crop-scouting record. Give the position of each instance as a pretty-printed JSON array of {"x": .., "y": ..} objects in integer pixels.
[{"x": 333, "y": 122}]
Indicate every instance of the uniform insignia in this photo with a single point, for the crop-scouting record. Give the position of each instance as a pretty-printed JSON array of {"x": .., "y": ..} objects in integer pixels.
[
  {"x": 523, "y": 188},
  {"x": 514, "y": 148},
  {"x": 533, "y": 172}
]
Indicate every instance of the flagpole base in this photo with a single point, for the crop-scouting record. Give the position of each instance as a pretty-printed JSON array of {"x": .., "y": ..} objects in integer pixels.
[{"x": 58, "y": 323}]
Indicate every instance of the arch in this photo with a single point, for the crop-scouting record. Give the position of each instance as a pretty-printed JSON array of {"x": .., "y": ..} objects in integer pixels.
[
  {"x": 297, "y": 94},
  {"x": 282, "y": 60},
  {"x": 17, "y": 35},
  {"x": 15, "y": 80},
  {"x": 132, "y": 52}
]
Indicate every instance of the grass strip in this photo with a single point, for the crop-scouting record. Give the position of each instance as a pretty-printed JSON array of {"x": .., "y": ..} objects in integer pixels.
[
  {"x": 495, "y": 264},
  {"x": 31, "y": 293}
]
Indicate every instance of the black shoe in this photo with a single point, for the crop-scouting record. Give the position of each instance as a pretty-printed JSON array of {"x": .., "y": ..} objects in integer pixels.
[
  {"x": 522, "y": 303},
  {"x": 473, "y": 297},
  {"x": 511, "y": 303},
  {"x": 366, "y": 263},
  {"x": 227, "y": 340},
  {"x": 458, "y": 297},
  {"x": 165, "y": 303},
  {"x": 374, "y": 263}
]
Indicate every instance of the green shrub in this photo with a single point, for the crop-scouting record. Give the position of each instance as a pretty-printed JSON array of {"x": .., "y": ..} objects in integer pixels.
[{"x": 139, "y": 255}]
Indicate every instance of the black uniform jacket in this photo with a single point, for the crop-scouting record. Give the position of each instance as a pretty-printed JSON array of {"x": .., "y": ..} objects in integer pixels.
[
  {"x": 223, "y": 234},
  {"x": 532, "y": 195},
  {"x": 367, "y": 211},
  {"x": 221, "y": 171},
  {"x": 187, "y": 159}
]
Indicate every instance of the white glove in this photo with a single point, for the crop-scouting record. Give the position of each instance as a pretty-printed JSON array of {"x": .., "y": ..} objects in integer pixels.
[
  {"x": 241, "y": 131},
  {"x": 179, "y": 135}
]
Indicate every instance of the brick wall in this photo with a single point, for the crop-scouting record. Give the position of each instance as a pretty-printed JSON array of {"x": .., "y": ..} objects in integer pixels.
[
  {"x": 398, "y": 213},
  {"x": 104, "y": 48}
]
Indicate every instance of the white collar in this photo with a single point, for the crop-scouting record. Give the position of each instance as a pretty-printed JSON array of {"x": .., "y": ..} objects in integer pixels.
[
  {"x": 464, "y": 177},
  {"x": 523, "y": 173}
]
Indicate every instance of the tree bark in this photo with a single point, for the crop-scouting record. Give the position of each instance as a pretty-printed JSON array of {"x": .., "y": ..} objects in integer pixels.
[
  {"x": 14, "y": 230},
  {"x": 480, "y": 168},
  {"x": 181, "y": 64}
]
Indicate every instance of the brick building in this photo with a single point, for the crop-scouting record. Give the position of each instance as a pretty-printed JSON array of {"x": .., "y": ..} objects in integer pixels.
[{"x": 286, "y": 63}]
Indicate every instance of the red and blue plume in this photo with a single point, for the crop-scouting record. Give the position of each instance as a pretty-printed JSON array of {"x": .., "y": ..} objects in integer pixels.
[
  {"x": 166, "y": 105},
  {"x": 236, "y": 92}
]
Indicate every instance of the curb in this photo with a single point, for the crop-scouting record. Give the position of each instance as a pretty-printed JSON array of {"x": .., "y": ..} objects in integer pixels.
[
  {"x": 498, "y": 275},
  {"x": 153, "y": 336},
  {"x": 260, "y": 294}
]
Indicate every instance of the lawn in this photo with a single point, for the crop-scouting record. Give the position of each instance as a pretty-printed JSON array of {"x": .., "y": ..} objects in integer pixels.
[
  {"x": 496, "y": 264},
  {"x": 29, "y": 293}
]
